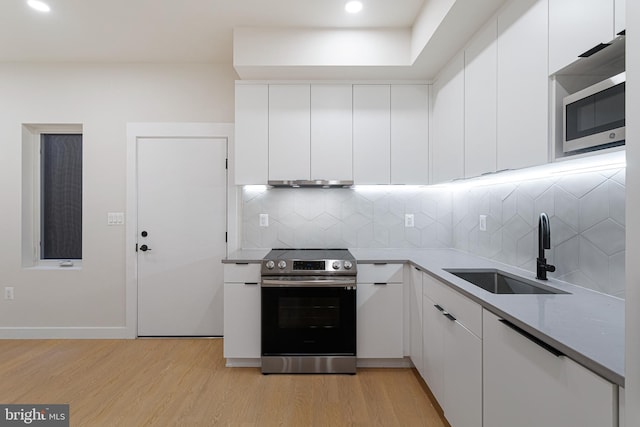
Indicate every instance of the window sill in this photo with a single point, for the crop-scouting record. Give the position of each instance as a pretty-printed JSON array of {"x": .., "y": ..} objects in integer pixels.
[{"x": 55, "y": 265}]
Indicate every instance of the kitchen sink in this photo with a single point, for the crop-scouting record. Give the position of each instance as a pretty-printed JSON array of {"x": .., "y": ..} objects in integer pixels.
[{"x": 499, "y": 282}]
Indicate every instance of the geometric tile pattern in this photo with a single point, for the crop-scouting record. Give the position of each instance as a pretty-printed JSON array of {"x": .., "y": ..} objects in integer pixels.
[
  {"x": 587, "y": 216},
  {"x": 364, "y": 218},
  {"x": 586, "y": 212}
]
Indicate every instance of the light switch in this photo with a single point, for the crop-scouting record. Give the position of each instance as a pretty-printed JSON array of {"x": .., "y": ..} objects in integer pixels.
[
  {"x": 264, "y": 220},
  {"x": 115, "y": 218}
]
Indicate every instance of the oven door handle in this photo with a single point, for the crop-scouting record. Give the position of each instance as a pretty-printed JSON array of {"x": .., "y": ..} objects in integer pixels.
[{"x": 331, "y": 283}]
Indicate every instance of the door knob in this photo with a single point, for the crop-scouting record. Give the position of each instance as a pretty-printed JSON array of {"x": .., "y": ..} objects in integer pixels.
[
  {"x": 145, "y": 248},
  {"x": 144, "y": 234}
]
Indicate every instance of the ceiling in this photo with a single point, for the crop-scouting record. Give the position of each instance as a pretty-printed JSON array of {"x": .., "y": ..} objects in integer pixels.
[{"x": 170, "y": 30}]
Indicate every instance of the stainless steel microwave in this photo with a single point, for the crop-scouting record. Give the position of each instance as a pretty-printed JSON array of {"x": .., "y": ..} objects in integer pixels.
[{"x": 593, "y": 118}]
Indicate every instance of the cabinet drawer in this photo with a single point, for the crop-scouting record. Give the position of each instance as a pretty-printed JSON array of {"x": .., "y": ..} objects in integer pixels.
[
  {"x": 242, "y": 273},
  {"x": 380, "y": 273},
  {"x": 466, "y": 312}
]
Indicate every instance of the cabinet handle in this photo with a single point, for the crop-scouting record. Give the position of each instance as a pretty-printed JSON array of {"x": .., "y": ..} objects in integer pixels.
[
  {"x": 250, "y": 283},
  {"x": 380, "y": 283},
  {"x": 532, "y": 338},
  {"x": 449, "y": 316},
  {"x": 380, "y": 263},
  {"x": 242, "y": 263},
  {"x": 438, "y": 307}
]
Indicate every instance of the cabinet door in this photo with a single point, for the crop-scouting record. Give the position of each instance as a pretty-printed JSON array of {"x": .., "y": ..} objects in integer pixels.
[
  {"x": 523, "y": 84},
  {"x": 433, "y": 348},
  {"x": 289, "y": 132},
  {"x": 416, "y": 320},
  {"x": 462, "y": 403},
  {"x": 409, "y": 134},
  {"x": 331, "y": 132},
  {"x": 371, "y": 134},
  {"x": 241, "y": 320},
  {"x": 447, "y": 144},
  {"x": 251, "y": 134},
  {"x": 480, "y": 101},
  {"x": 526, "y": 385},
  {"x": 379, "y": 320},
  {"x": 576, "y": 26}
]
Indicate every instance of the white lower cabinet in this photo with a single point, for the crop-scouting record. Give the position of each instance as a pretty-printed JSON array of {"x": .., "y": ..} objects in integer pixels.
[
  {"x": 416, "y": 320},
  {"x": 242, "y": 311},
  {"x": 526, "y": 385},
  {"x": 380, "y": 311},
  {"x": 452, "y": 353}
]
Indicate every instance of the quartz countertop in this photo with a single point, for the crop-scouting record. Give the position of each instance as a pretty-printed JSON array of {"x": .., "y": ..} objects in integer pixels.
[{"x": 585, "y": 325}]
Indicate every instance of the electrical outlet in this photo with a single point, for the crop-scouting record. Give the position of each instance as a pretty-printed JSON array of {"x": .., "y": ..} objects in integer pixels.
[
  {"x": 8, "y": 292},
  {"x": 264, "y": 220},
  {"x": 483, "y": 223},
  {"x": 409, "y": 220}
]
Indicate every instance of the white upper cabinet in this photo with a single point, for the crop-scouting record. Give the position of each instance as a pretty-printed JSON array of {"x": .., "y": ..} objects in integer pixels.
[
  {"x": 575, "y": 26},
  {"x": 371, "y": 134},
  {"x": 447, "y": 142},
  {"x": 523, "y": 85},
  {"x": 289, "y": 132},
  {"x": 251, "y": 134},
  {"x": 409, "y": 134},
  {"x": 480, "y": 101},
  {"x": 331, "y": 132}
]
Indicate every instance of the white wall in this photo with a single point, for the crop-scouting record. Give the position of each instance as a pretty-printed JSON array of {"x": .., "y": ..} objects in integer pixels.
[{"x": 104, "y": 98}]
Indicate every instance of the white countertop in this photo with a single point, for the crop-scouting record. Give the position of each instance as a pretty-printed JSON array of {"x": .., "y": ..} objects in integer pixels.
[{"x": 585, "y": 325}]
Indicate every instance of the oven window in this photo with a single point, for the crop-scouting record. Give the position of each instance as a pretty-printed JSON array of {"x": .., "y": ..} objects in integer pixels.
[{"x": 313, "y": 312}]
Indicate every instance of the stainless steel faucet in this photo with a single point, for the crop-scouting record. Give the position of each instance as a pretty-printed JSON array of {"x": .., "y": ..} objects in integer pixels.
[{"x": 544, "y": 242}]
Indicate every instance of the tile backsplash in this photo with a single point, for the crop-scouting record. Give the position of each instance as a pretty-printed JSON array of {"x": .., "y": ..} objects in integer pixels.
[{"x": 586, "y": 212}]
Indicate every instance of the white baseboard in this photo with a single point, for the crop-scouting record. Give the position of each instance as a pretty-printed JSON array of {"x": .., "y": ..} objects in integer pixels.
[
  {"x": 243, "y": 363},
  {"x": 384, "y": 363},
  {"x": 67, "y": 333}
]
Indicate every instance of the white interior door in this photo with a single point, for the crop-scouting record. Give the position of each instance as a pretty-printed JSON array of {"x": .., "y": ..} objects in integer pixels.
[{"x": 182, "y": 224}]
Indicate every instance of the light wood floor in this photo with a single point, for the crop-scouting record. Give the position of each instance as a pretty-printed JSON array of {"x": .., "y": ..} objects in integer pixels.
[{"x": 183, "y": 382}]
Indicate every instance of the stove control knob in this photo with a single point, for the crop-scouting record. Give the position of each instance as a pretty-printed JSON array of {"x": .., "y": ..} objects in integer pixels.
[
  {"x": 347, "y": 265},
  {"x": 270, "y": 264},
  {"x": 336, "y": 265},
  {"x": 282, "y": 264}
]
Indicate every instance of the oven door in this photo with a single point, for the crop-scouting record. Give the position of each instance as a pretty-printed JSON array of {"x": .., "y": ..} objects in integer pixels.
[{"x": 308, "y": 318}]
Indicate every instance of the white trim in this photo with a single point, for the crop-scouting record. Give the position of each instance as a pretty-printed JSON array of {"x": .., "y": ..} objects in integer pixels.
[
  {"x": 169, "y": 130},
  {"x": 64, "y": 333}
]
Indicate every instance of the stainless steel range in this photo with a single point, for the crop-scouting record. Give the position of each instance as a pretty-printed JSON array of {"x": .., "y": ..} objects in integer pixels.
[{"x": 309, "y": 311}]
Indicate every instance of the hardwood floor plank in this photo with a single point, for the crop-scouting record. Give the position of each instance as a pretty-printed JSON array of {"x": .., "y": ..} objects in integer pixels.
[{"x": 179, "y": 382}]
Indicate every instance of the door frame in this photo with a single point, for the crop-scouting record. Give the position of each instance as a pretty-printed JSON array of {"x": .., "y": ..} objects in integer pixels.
[{"x": 169, "y": 130}]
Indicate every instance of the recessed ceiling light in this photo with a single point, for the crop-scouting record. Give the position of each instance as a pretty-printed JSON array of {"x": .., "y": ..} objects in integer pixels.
[
  {"x": 353, "y": 6},
  {"x": 39, "y": 5}
]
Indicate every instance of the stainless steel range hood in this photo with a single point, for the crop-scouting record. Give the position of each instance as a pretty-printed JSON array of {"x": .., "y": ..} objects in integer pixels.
[{"x": 315, "y": 183}]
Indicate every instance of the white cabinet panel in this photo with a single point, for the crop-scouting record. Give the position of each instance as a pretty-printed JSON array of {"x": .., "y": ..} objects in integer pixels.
[
  {"x": 462, "y": 402},
  {"x": 523, "y": 84},
  {"x": 447, "y": 144},
  {"x": 452, "y": 353},
  {"x": 380, "y": 273},
  {"x": 242, "y": 272},
  {"x": 379, "y": 321},
  {"x": 289, "y": 132},
  {"x": 576, "y": 26},
  {"x": 242, "y": 310},
  {"x": 409, "y": 134},
  {"x": 251, "y": 134},
  {"x": 416, "y": 320},
  {"x": 371, "y": 134},
  {"x": 331, "y": 132},
  {"x": 480, "y": 101},
  {"x": 528, "y": 386}
]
